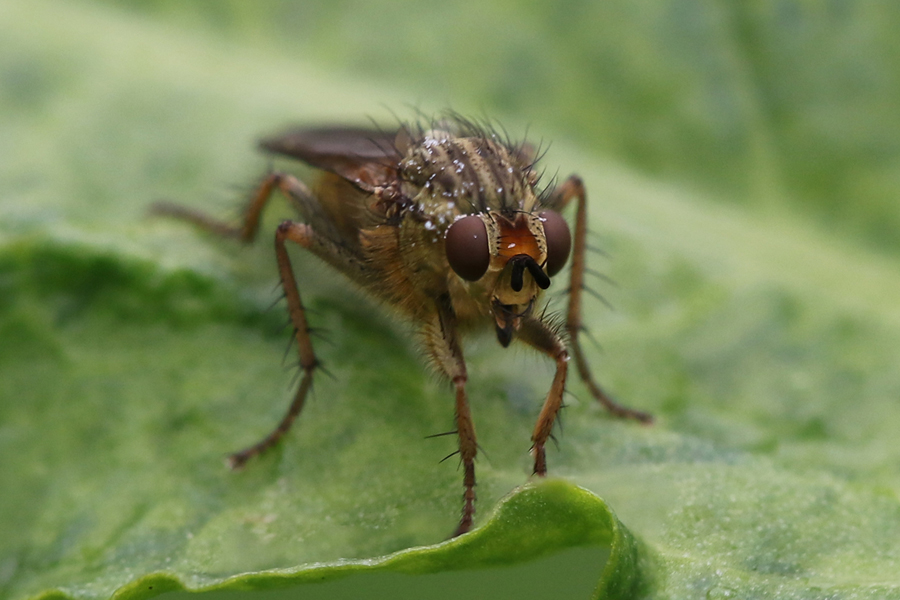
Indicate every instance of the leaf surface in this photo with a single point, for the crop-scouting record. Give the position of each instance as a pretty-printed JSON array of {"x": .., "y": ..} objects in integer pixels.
[{"x": 135, "y": 353}]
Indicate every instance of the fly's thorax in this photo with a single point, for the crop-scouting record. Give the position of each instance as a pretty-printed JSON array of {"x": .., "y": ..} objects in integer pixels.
[{"x": 474, "y": 173}]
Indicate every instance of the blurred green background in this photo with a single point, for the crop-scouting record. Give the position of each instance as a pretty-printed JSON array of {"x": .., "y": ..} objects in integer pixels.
[
  {"x": 784, "y": 103},
  {"x": 743, "y": 170}
]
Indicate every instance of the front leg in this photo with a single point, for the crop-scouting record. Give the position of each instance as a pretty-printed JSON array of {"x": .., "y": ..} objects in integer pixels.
[
  {"x": 536, "y": 333},
  {"x": 573, "y": 187},
  {"x": 443, "y": 345}
]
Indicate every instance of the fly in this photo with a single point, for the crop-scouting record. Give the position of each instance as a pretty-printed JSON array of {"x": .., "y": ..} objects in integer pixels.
[{"x": 447, "y": 225}]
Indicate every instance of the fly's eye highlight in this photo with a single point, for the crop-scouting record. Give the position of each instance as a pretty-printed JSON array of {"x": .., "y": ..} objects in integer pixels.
[
  {"x": 559, "y": 240},
  {"x": 467, "y": 247}
]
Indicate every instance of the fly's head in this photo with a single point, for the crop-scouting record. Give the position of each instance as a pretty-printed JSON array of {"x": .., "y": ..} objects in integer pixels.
[
  {"x": 481, "y": 191},
  {"x": 514, "y": 256}
]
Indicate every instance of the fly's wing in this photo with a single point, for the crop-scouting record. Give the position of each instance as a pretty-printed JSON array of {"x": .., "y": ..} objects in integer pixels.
[
  {"x": 366, "y": 158},
  {"x": 356, "y": 161}
]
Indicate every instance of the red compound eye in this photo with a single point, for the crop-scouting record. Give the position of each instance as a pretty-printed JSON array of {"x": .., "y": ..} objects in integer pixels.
[
  {"x": 467, "y": 249},
  {"x": 559, "y": 241}
]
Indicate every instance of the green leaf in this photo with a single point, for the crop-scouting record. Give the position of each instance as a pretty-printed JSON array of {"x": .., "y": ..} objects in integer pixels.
[{"x": 136, "y": 353}]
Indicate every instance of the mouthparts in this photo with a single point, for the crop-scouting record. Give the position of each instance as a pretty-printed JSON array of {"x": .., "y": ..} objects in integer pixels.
[{"x": 520, "y": 262}]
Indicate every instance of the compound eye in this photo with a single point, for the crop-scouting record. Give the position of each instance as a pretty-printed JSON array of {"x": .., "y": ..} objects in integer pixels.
[
  {"x": 467, "y": 249},
  {"x": 559, "y": 240}
]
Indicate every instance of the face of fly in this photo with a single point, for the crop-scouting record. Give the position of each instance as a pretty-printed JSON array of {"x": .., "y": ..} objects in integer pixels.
[{"x": 513, "y": 256}]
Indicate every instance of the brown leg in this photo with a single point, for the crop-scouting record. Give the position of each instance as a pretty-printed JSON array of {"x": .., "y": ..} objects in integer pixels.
[
  {"x": 573, "y": 187},
  {"x": 247, "y": 230},
  {"x": 298, "y": 233},
  {"x": 302, "y": 235},
  {"x": 467, "y": 450},
  {"x": 442, "y": 344},
  {"x": 536, "y": 333},
  {"x": 334, "y": 252}
]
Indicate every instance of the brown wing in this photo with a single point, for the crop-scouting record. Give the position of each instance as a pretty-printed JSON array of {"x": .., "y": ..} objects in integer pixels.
[{"x": 365, "y": 157}]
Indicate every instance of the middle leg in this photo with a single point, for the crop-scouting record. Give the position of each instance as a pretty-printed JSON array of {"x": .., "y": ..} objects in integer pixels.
[
  {"x": 302, "y": 235},
  {"x": 335, "y": 254}
]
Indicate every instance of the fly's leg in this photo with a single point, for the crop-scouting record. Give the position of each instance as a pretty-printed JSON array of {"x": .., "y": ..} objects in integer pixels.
[
  {"x": 443, "y": 345},
  {"x": 304, "y": 236},
  {"x": 467, "y": 450},
  {"x": 333, "y": 252},
  {"x": 573, "y": 187},
  {"x": 292, "y": 188},
  {"x": 537, "y": 334}
]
